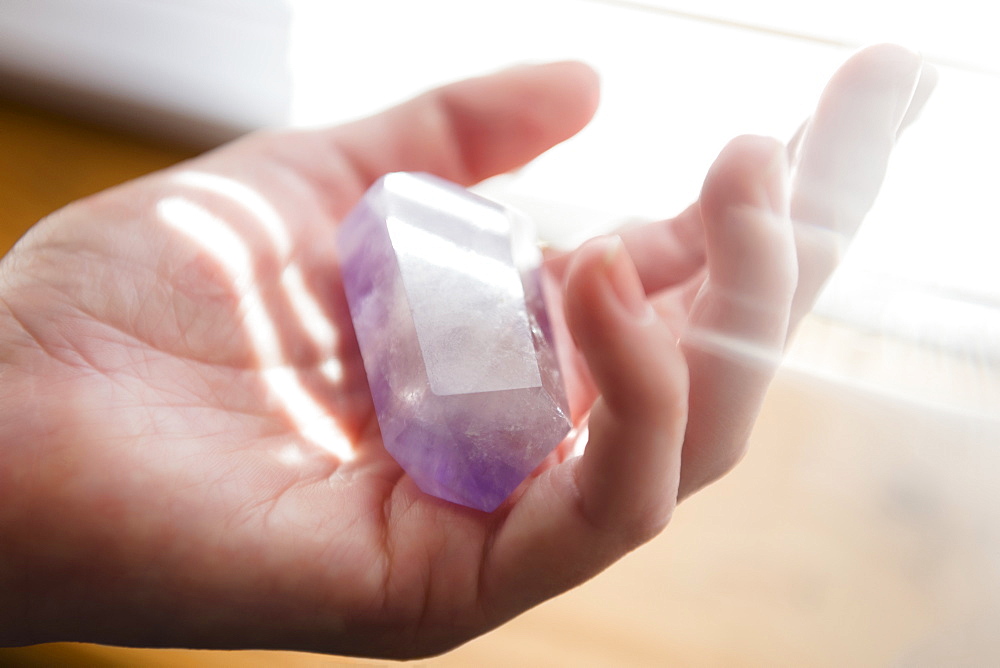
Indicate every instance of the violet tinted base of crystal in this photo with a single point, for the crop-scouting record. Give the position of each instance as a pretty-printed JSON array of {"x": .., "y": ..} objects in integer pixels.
[{"x": 443, "y": 288}]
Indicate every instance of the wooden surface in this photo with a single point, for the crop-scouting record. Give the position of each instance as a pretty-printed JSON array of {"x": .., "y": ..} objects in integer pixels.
[{"x": 861, "y": 530}]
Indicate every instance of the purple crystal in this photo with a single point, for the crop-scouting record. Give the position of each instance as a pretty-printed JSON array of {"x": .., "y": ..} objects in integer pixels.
[{"x": 444, "y": 290}]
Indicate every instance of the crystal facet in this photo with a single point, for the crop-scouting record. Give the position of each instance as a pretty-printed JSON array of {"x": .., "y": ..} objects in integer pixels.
[{"x": 445, "y": 294}]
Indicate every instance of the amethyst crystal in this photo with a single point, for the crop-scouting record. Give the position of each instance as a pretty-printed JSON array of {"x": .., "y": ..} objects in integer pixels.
[{"x": 444, "y": 290}]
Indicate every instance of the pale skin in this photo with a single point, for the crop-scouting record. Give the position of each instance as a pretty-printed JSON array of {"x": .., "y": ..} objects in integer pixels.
[{"x": 155, "y": 492}]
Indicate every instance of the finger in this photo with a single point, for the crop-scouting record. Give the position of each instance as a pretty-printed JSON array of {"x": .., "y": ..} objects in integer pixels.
[
  {"x": 630, "y": 469},
  {"x": 739, "y": 320},
  {"x": 578, "y": 517},
  {"x": 925, "y": 86},
  {"x": 464, "y": 132},
  {"x": 843, "y": 157},
  {"x": 666, "y": 252}
]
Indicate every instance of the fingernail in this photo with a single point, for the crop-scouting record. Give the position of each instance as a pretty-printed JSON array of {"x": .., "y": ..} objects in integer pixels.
[
  {"x": 906, "y": 85},
  {"x": 624, "y": 280},
  {"x": 926, "y": 83},
  {"x": 776, "y": 184}
]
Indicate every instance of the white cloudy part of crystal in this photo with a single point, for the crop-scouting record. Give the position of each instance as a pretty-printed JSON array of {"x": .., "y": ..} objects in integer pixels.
[{"x": 468, "y": 311}]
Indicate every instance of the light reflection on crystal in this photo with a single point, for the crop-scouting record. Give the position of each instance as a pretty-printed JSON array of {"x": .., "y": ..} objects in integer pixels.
[
  {"x": 443, "y": 201},
  {"x": 419, "y": 245}
]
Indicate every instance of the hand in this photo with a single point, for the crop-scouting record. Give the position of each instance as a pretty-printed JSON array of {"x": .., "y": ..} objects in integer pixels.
[
  {"x": 729, "y": 279},
  {"x": 189, "y": 452}
]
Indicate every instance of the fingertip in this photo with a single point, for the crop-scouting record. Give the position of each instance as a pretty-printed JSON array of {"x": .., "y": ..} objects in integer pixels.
[
  {"x": 559, "y": 97},
  {"x": 580, "y": 291},
  {"x": 584, "y": 80},
  {"x": 502, "y": 120},
  {"x": 603, "y": 290},
  {"x": 886, "y": 60},
  {"x": 881, "y": 67},
  {"x": 464, "y": 131},
  {"x": 573, "y": 76},
  {"x": 877, "y": 82},
  {"x": 750, "y": 170},
  {"x": 629, "y": 351}
]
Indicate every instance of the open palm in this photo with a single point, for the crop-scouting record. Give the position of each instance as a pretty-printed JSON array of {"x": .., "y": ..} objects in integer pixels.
[{"x": 189, "y": 450}]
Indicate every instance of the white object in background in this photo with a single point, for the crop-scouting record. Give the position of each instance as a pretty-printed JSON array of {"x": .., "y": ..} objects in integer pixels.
[
  {"x": 958, "y": 33},
  {"x": 197, "y": 70}
]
